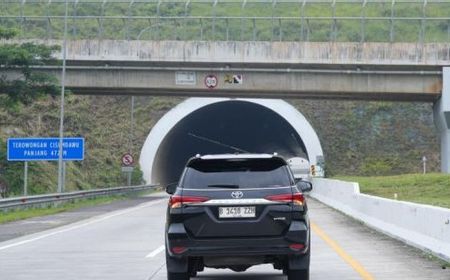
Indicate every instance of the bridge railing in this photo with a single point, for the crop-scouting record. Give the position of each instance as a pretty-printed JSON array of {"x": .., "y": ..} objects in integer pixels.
[{"x": 419, "y": 21}]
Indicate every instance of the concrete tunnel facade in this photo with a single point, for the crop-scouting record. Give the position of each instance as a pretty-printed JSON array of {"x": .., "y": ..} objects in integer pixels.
[{"x": 223, "y": 125}]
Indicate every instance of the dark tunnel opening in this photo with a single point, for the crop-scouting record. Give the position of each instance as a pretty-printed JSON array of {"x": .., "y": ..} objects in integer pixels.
[{"x": 214, "y": 128}]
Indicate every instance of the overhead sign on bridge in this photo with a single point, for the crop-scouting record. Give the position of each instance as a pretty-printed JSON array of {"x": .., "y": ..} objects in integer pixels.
[{"x": 44, "y": 149}]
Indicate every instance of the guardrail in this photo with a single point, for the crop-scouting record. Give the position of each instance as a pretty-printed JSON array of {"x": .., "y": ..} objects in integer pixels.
[{"x": 29, "y": 201}]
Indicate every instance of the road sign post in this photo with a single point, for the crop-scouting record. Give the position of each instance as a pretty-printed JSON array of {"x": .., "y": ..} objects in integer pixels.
[
  {"x": 63, "y": 176},
  {"x": 25, "y": 179},
  {"x": 127, "y": 166}
]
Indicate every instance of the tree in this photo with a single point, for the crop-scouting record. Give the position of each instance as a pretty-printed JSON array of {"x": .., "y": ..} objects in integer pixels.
[
  {"x": 30, "y": 84},
  {"x": 27, "y": 87}
]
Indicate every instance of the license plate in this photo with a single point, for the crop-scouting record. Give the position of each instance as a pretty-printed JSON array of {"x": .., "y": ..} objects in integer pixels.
[{"x": 237, "y": 212}]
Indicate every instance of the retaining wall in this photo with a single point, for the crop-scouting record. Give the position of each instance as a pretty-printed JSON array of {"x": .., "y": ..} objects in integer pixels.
[{"x": 422, "y": 226}]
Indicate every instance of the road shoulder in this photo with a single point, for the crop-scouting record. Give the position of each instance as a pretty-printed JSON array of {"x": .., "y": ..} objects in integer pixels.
[{"x": 21, "y": 228}]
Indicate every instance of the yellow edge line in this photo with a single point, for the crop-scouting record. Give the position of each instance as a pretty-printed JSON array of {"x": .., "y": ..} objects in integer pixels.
[{"x": 338, "y": 249}]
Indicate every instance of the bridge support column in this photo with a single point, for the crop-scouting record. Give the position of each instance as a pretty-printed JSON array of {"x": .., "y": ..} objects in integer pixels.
[{"x": 442, "y": 120}]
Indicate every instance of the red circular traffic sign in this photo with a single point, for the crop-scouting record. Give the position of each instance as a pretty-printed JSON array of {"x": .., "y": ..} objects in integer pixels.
[
  {"x": 211, "y": 81},
  {"x": 127, "y": 160}
]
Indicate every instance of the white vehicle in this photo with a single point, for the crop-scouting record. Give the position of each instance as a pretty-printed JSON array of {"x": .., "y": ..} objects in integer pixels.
[{"x": 300, "y": 168}]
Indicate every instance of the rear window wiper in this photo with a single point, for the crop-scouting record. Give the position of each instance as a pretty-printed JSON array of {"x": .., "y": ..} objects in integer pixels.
[{"x": 225, "y": 186}]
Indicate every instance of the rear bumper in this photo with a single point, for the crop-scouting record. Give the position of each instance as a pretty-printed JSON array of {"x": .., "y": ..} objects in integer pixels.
[{"x": 181, "y": 244}]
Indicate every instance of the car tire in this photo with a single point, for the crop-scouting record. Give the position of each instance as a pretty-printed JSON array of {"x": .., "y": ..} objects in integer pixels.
[
  {"x": 192, "y": 273},
  {"x": 177, "y": 276},
  {"x": 298, "y": 274}
]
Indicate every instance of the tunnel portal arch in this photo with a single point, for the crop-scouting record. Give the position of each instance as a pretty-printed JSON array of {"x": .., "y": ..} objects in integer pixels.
[{"x": 254, "y": 125}]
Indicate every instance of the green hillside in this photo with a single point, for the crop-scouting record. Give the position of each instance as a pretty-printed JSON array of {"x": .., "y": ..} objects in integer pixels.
[
  {"x": 358, "y": 138},
  {"x": 263, "y": 21},
  {"x": 105, "y": 124}
]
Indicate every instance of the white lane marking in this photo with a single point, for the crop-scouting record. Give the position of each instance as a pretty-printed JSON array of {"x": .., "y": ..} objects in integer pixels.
[
  {"x": 156, "y": 272},
  {"x": 90, "y": 222},
  {"x": 156, "y": 252}
]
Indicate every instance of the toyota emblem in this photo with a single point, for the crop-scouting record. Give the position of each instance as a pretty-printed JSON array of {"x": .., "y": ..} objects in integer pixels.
[{"x": 237, "y": 194}]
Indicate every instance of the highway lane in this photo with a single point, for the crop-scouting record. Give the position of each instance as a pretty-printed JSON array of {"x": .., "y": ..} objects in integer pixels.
[{"x": 127, "y": 244}]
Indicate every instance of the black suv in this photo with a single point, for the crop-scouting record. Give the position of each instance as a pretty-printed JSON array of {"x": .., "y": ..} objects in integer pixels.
[{"x": 236, "y": 211}]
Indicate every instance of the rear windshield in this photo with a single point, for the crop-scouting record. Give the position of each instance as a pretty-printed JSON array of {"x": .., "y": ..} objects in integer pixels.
[{"x": 236, "y": 174}]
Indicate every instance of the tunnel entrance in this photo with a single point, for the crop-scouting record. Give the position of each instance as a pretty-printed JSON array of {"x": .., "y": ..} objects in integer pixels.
[{"x": 223, "y": 126}]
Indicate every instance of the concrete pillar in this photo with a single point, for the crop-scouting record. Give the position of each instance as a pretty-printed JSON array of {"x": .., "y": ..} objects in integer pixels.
[{"x": 442, "y": 120}]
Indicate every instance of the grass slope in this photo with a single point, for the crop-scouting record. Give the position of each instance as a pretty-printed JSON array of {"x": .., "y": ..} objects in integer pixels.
[
  {"x": 377, "y": 26},
  {"x": 432, "y": 189},
  {"x": 16, "y": 215}
]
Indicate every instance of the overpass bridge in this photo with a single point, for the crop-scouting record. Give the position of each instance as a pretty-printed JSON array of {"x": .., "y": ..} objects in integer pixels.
[
  {"x": 320, "y": 70},
  {"x": 378, "y": 71}
]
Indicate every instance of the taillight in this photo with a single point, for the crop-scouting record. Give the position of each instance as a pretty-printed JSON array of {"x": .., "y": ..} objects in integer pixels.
[
  {"x": 179, "y": 250},
  {"x": 296, "y": 247},
  {"x": 296, "y": 198},
  {"x": 176, "y": 201}
]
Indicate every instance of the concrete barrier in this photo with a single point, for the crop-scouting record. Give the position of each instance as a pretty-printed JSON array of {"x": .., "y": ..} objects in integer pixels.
[
  {"x": 437, "y": 54},
  {"x": 422, "y": 226}
]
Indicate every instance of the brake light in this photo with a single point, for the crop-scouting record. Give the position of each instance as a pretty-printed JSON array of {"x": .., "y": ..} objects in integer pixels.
[
  {"x": 179, "y": 250},
  {"x": 296, "y": 198},
  {"x": 296, "y": 247},
  {"x": 176, "y": 201}
]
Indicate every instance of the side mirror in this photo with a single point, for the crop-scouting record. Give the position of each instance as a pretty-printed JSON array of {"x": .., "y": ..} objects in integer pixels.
[
  {"x": 304, "y": 186},
  {"x": 171, "y": 188}
]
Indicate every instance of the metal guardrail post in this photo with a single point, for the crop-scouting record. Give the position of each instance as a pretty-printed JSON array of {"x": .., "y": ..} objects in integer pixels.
[
  {"x": 392, "y": 29},
  {"x": 128, "y": 21},
  {"x": 448, "y": 31},
  {"x": 422, "y": 29},
  {"x": 363, "y": 21},
  {"x": 186, "y": 13},
  {"x": 74, "y": 17},
  {"x": 22, "y": 18},
  {"x": 334, "y": 22},
  {"x": 280, "y": 30},
  {"x": 201, "y": 29},
  {"x": 158, "y": 21},
  {"x": 227, "y": 23},
  {"x": 254, "y": 29},
  {"x": 244, "y": 3},
  {"x": 214, "y": 20},
  {"x": 48, "y": 33},
  {"x": 100, "y": 20},
  {"x": 302, "y": 29},
  {"x": 274, "y": 3}
]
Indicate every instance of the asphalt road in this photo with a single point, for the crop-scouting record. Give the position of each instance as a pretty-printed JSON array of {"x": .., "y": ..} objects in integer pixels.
[{"x": 128, "y": 244}]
